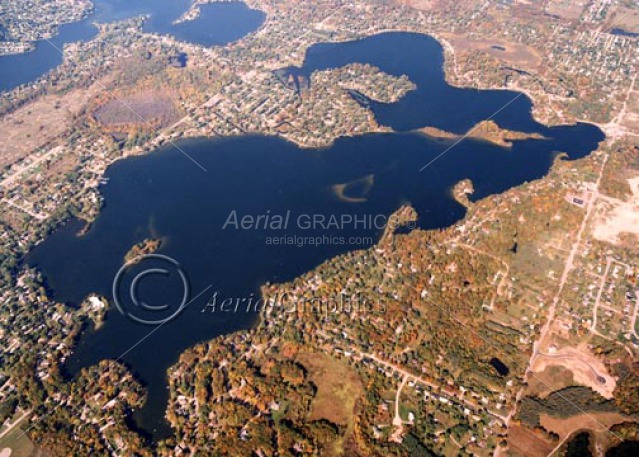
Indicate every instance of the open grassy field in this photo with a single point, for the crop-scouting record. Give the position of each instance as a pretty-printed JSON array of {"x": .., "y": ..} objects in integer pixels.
[
  {"x": 18, "y": 444},
  {"x": 39, "y": 122},
  {"x": 338, "y": 388},
  {"x": 596, "y": 422}
]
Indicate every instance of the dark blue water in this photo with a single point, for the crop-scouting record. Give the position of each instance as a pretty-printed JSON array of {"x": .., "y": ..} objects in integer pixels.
[
  {"x": 218, "y": 24},
  {"x": 579, "y": 446},
  {"x": 499, "y": 366},
  {"x": 164, "y": 195},
  {"x": 18, "y": 69},
  {"x": 625, "y": 449},
  {"x": 622, "y": 32}
]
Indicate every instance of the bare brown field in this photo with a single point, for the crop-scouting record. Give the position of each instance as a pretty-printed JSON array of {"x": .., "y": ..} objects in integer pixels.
[
  {"x": 525, "y": 442},
  {"x": 624, "y": 18},
  {"x": 39, "y": 122},
  {"x": 511, "y": 53},
  {"x": 566, "y": 9}
]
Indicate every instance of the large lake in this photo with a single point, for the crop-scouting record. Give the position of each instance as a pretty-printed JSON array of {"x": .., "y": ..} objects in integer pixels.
[
  {"x": 218, "y": 24},
  {"x": 165, "y": 195}
]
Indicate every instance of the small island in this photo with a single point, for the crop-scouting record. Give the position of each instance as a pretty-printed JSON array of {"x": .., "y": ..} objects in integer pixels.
[
  {"x": 462, "y": 190},
  {"x": 486, "y": 131},
  {"x": 145, "y": 247}
]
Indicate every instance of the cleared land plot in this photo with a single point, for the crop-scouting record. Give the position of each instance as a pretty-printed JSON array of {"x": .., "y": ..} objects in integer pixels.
[
  {"x": 39, "y": 122},
  {"x": 525, "y": 442},
  {"x": 142, "y": 108},
  {"x": 631, "y": 116},
  {"x": 18, "y": 444},
  {"x": 423, "y": 5},
  {"x": 515, "y": 54},
  {"x": 338, "y": 388},
  {"x": 587, "y": 370},
  {"x": 566, "y": 9},
  {"x": 615, "y": 217},
  {"x": 624, "y": 18}
]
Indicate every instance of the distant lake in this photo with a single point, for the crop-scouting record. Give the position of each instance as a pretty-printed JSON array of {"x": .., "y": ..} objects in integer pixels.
[
  {"x": 622, "y": 32},
  {"x": 164, "y": 195},
  {"x": 218, "y": 24}
]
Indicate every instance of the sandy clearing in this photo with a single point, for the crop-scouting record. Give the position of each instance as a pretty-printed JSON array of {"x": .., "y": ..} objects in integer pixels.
[
  {"x": 587, "y": 370},
  {"x": 615, "y": 216},
  {"x": 423, "y": 5}
]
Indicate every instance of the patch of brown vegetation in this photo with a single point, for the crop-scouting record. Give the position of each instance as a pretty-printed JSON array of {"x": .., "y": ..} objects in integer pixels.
[
  {"x": 338, "y": 387},
  {"x": 525, "y": 442},
  {"x": 147, "y": 109},
  {"x": 623, "y": 164}
]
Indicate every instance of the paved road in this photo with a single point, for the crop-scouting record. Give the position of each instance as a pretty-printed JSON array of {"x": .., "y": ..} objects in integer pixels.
[
  {"x": 9, "y": 180},
  {"x": 562, "y": 282}
]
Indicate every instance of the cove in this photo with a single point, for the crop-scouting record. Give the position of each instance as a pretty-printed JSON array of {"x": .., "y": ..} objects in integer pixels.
[
  {"x": 163, "y": 195},
  {"x": 434, "y": 103},
  {"x": 218, "y": 24}
]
